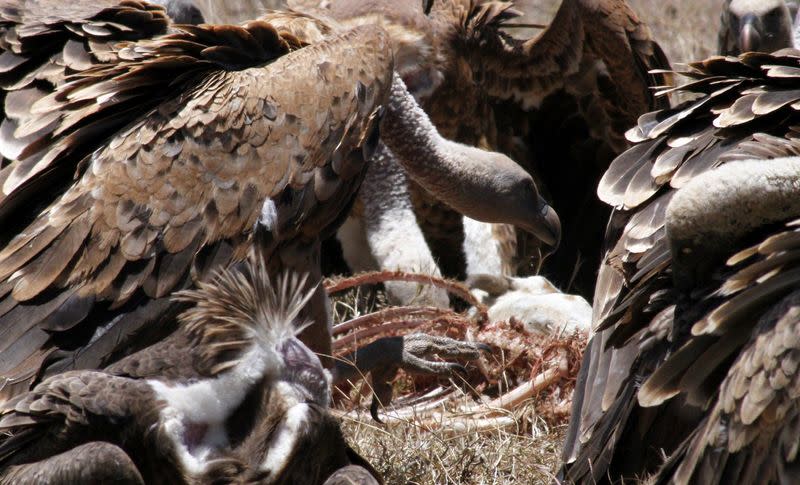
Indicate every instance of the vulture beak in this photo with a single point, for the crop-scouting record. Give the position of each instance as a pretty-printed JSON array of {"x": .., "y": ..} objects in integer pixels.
[
  {"x": 749, "y": 36},
  {"x": 547, "y": 226}
]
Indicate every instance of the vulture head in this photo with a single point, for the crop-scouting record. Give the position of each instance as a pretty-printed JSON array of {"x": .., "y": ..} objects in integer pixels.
[
  {"x": 182, "y": 11},
  {"x": 755, "y": 25},
  {"x": 240, "y": 322},
  {"x": 244, "y": 330},
  {"x": 491, "y": 186}
]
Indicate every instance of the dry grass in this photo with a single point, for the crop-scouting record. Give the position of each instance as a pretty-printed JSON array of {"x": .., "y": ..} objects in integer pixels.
[
  {"x": 526, "y": 447},
  {"x": 408, "y": 454},
  {"x": 476, "y": 433}
]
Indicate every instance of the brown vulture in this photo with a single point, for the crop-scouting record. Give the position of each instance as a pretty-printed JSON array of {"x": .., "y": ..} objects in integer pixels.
[
  {"x": 693, "y": 372},
  {"x": 558, "y": 104},
  {"x": 139, "y": 155}
]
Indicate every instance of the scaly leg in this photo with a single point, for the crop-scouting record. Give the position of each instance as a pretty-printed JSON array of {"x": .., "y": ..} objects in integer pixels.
[{"x": 412, "y": 353}]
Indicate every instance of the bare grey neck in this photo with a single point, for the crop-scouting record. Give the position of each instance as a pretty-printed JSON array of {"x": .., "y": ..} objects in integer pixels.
[{"x": 465, "y": 178}]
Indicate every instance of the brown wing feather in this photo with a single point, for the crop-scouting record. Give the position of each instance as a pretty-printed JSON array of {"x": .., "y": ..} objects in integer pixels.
[
  {"x": 529, "y": 70},
  {"x": 750, "y": 434},
  {"x": 687, "y": 344},
  {"x": 208, "y": 140},
  {"x": 68, "y": 407},
  {"x": 43, "y": 42},
  {"x": 96, "y": 462}
]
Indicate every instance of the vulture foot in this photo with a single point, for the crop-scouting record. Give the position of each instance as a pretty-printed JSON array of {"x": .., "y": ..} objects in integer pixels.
[{"x": 413, "y": 353}]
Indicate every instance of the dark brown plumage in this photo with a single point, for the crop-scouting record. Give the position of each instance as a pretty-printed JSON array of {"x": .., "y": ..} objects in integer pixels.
[{"x": 695, "y": 353}]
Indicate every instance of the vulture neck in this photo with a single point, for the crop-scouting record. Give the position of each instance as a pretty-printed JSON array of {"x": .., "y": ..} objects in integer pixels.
[
  {"x": 194, "y": 415},
  {"x": 714, "y": 211},
  {"x": 463, "y": 177}
]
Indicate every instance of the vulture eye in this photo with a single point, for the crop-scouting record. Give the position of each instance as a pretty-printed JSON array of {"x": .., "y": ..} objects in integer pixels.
[{"x": 427, "y": 5}]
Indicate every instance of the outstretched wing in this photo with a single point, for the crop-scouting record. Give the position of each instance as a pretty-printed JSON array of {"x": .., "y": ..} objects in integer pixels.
[
  {"x": 567, "y": 96},
  {"x": 178, "y": 141},
  {"x": 670, "y": 329}
]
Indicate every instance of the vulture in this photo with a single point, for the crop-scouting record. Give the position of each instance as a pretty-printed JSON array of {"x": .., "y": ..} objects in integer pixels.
[
  {"x": 755, "y": 25},
  {"x": 558, "y": 104},
  {"x": 692, "y": 375},
  {"x": 182, "y": 11},
  {"x": 138, "y": 156},
  {"x": 232, "y": 396}
]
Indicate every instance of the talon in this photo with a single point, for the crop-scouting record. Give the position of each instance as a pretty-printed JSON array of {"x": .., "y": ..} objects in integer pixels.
[
  {"x": 381, "y": 389},
  {"x": 373, "y": 409},
  {"x": 384, "y": 357}
]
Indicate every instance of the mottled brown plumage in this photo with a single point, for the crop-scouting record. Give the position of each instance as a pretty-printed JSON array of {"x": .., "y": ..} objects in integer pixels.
[
  {"x": 691, "y": 305},
  {"x": 185, "y": 143},
  {"x": 148, "y": 167}
]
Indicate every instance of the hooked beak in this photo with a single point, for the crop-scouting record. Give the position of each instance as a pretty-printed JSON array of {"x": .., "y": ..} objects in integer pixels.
[
  {"x": 749, "y": 36},
  {"x": 546, "y": 227}
]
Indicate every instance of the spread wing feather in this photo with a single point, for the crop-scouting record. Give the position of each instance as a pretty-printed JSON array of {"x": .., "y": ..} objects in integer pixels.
[{"x": 196, "y": 130}]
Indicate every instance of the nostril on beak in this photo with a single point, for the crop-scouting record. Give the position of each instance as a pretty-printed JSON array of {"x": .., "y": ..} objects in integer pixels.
[{"x": 545, "y": 225}]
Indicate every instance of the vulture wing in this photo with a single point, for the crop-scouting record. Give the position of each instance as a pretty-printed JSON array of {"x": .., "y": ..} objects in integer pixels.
[
  {"x": 568, "y": 95},
  {"x": 750, "y": 433},
  {"x": 68, "y": 408},
  {"x": 161, "y": 156},
  {"x": 43, "y": 42},
  {"x": 691, "y": 264},
  {"x": 559, "y": 105}
]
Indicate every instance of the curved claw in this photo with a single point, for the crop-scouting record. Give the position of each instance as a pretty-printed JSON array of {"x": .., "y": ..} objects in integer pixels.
[{"x": 381, "y": 389}]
